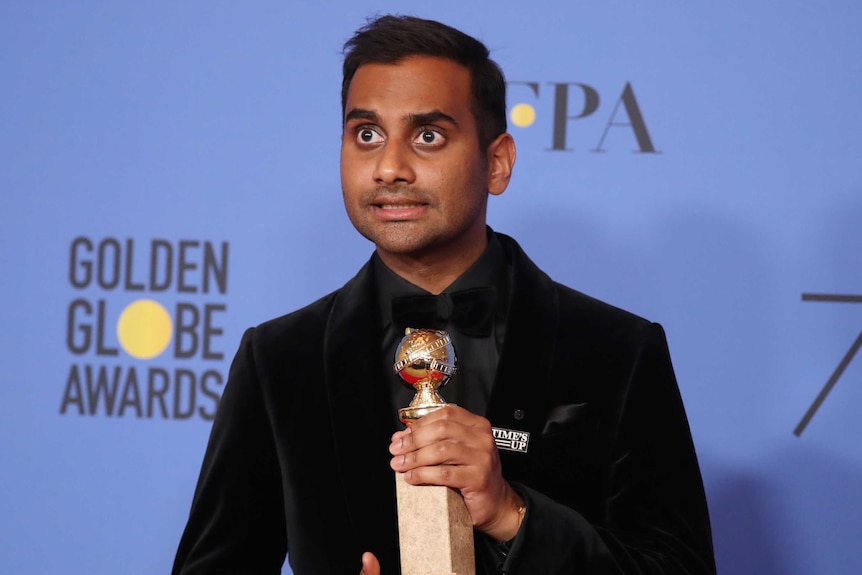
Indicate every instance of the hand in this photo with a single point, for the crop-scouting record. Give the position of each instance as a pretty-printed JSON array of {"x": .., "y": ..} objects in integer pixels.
[
  {"x": 456, "y": 448},
  {"x": 370, "y": 565}
]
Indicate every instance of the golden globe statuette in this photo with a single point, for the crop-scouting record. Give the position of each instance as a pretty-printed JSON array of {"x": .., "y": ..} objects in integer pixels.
[
  {"x": 435, "y": 530},
  {"x": 425, "y": 359}
]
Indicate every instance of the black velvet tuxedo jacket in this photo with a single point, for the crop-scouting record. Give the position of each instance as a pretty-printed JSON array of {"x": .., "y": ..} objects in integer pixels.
[{"x": 298, "y": 459}]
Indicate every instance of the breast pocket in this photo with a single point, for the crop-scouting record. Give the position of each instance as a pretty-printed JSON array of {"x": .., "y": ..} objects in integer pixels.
[
  {"x": 572, "y": 451},
  {"x": 563, "y": 417}
]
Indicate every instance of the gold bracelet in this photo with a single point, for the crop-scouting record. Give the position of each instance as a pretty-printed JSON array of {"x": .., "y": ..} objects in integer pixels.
[
  {"x": 506, "y": 544},
  {"x": 521, "y": 511}
]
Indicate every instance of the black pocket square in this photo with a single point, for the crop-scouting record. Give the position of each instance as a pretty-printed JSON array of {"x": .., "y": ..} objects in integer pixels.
[{"x": 564, "y": 416}]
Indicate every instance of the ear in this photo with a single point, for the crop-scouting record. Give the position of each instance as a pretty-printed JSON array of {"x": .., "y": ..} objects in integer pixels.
[{"x": 501, "y": 160}]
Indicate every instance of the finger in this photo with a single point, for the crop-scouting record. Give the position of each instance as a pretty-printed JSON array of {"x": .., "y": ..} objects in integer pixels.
[
  {"x": 443, "y": 442},
  {"x": 452, "y": 412},
  {"x": 454, "y": 476},
  {"x": 458, "y": 417},
  {"x": 442, "y": 452},
  {"x": 449, "y": 464},
  {"x": 434, "y": 428},
  {"x": 475, "y": 434},
  {"x": 370, "y": 565},
  {"x": 401, "y": 441}
]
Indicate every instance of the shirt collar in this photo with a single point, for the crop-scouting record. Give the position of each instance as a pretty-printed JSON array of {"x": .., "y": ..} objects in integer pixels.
[{"x": 487, "y": 270}]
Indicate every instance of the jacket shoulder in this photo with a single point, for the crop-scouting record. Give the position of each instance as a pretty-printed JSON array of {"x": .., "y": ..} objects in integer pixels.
[
  {"x": 572, "y": 306},
  {"x": 593, "y": 310},
  {"x": 296, "y": 333}
]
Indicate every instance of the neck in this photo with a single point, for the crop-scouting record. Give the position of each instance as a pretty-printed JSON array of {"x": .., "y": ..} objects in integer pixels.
[{"x": 435, "y": 271}]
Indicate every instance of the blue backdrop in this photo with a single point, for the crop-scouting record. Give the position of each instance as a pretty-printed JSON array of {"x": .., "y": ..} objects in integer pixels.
[{"x": 169, "y": 176}]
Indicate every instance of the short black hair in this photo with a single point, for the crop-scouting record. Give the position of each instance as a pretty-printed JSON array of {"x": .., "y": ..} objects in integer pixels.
[{"x": 390, "y": 39}]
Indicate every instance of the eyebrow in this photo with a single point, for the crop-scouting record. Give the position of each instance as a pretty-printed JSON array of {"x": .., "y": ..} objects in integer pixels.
[
  {"x": 360, "y": 114},
  {"x": 434, "y": 116}
]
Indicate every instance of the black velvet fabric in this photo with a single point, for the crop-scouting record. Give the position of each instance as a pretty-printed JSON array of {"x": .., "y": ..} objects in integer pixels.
[{"x": 297, "y": 461}]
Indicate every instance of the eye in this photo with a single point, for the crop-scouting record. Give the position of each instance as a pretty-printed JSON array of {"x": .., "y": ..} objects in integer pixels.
[
  {"x": 368, "y": 136},
  {"x": 429, "y": 137}
]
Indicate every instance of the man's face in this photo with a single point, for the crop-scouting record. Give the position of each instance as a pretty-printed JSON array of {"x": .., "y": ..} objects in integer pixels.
[{"x": 414, "y": 179}]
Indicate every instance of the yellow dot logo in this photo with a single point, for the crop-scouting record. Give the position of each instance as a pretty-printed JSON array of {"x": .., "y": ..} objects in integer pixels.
[
  {"x": 144, "y": 329},
  {"x": 523, "y": 115}
]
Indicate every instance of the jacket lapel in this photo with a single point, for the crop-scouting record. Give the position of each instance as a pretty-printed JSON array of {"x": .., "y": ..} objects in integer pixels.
[
  {"x": 519, "y": 399},
  {"x": 362, "y": 421}
]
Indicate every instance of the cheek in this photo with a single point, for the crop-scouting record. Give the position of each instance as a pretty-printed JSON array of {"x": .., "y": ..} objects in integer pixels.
[
  {"x": 468, "y": 182},
  {"x": 453, "y": 175},
  {"x": 350, "y": 174}
]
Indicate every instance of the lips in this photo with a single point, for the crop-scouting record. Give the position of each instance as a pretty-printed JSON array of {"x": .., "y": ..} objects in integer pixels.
[
  {"x": 398, "y": 209},
  {"x": 398, "y": 206}
]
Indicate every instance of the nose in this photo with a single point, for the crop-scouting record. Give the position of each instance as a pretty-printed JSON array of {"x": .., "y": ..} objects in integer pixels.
[{"x": 394, "y": 164}]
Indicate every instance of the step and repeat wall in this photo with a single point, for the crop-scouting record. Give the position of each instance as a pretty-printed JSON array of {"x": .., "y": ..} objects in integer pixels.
[{"x": 171, "y": 169}]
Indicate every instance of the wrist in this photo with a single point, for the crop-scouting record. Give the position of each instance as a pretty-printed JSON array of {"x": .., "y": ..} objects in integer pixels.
[{"x": 510, "y": 523}]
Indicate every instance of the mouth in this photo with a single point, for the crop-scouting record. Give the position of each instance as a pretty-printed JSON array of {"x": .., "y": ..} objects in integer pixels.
[
  {"x": 395, "y": 209},
  {"x": 403, "y": 206}
]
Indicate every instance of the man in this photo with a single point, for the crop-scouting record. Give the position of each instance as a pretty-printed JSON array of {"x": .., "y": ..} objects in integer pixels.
[{"x": 303, "y": 448}]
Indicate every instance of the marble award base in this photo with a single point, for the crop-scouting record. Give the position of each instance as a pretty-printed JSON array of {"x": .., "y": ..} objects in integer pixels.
[{"x": 434, "y": 530}]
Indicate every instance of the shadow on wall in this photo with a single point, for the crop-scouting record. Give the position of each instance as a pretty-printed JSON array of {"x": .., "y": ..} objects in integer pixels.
[
  {"x": 797, "y": 513},
  {"x": 744, "y": 535}
]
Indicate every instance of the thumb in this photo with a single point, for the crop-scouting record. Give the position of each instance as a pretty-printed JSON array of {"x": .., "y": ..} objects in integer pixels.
[{"x": 370, "y": 565}]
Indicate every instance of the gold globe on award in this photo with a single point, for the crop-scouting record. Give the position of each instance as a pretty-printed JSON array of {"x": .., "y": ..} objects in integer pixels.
[{"x": 425, "y": 359}]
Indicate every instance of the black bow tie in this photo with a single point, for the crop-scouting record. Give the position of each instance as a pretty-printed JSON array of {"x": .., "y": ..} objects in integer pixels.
[{"x": 469, "y": 311}]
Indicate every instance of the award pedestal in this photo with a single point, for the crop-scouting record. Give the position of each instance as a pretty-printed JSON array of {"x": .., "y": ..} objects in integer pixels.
[{"x": 434, "y": 529}]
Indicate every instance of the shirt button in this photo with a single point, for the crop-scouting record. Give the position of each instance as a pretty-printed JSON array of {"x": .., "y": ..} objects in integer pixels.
[{"x": 518, "y": 415}]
